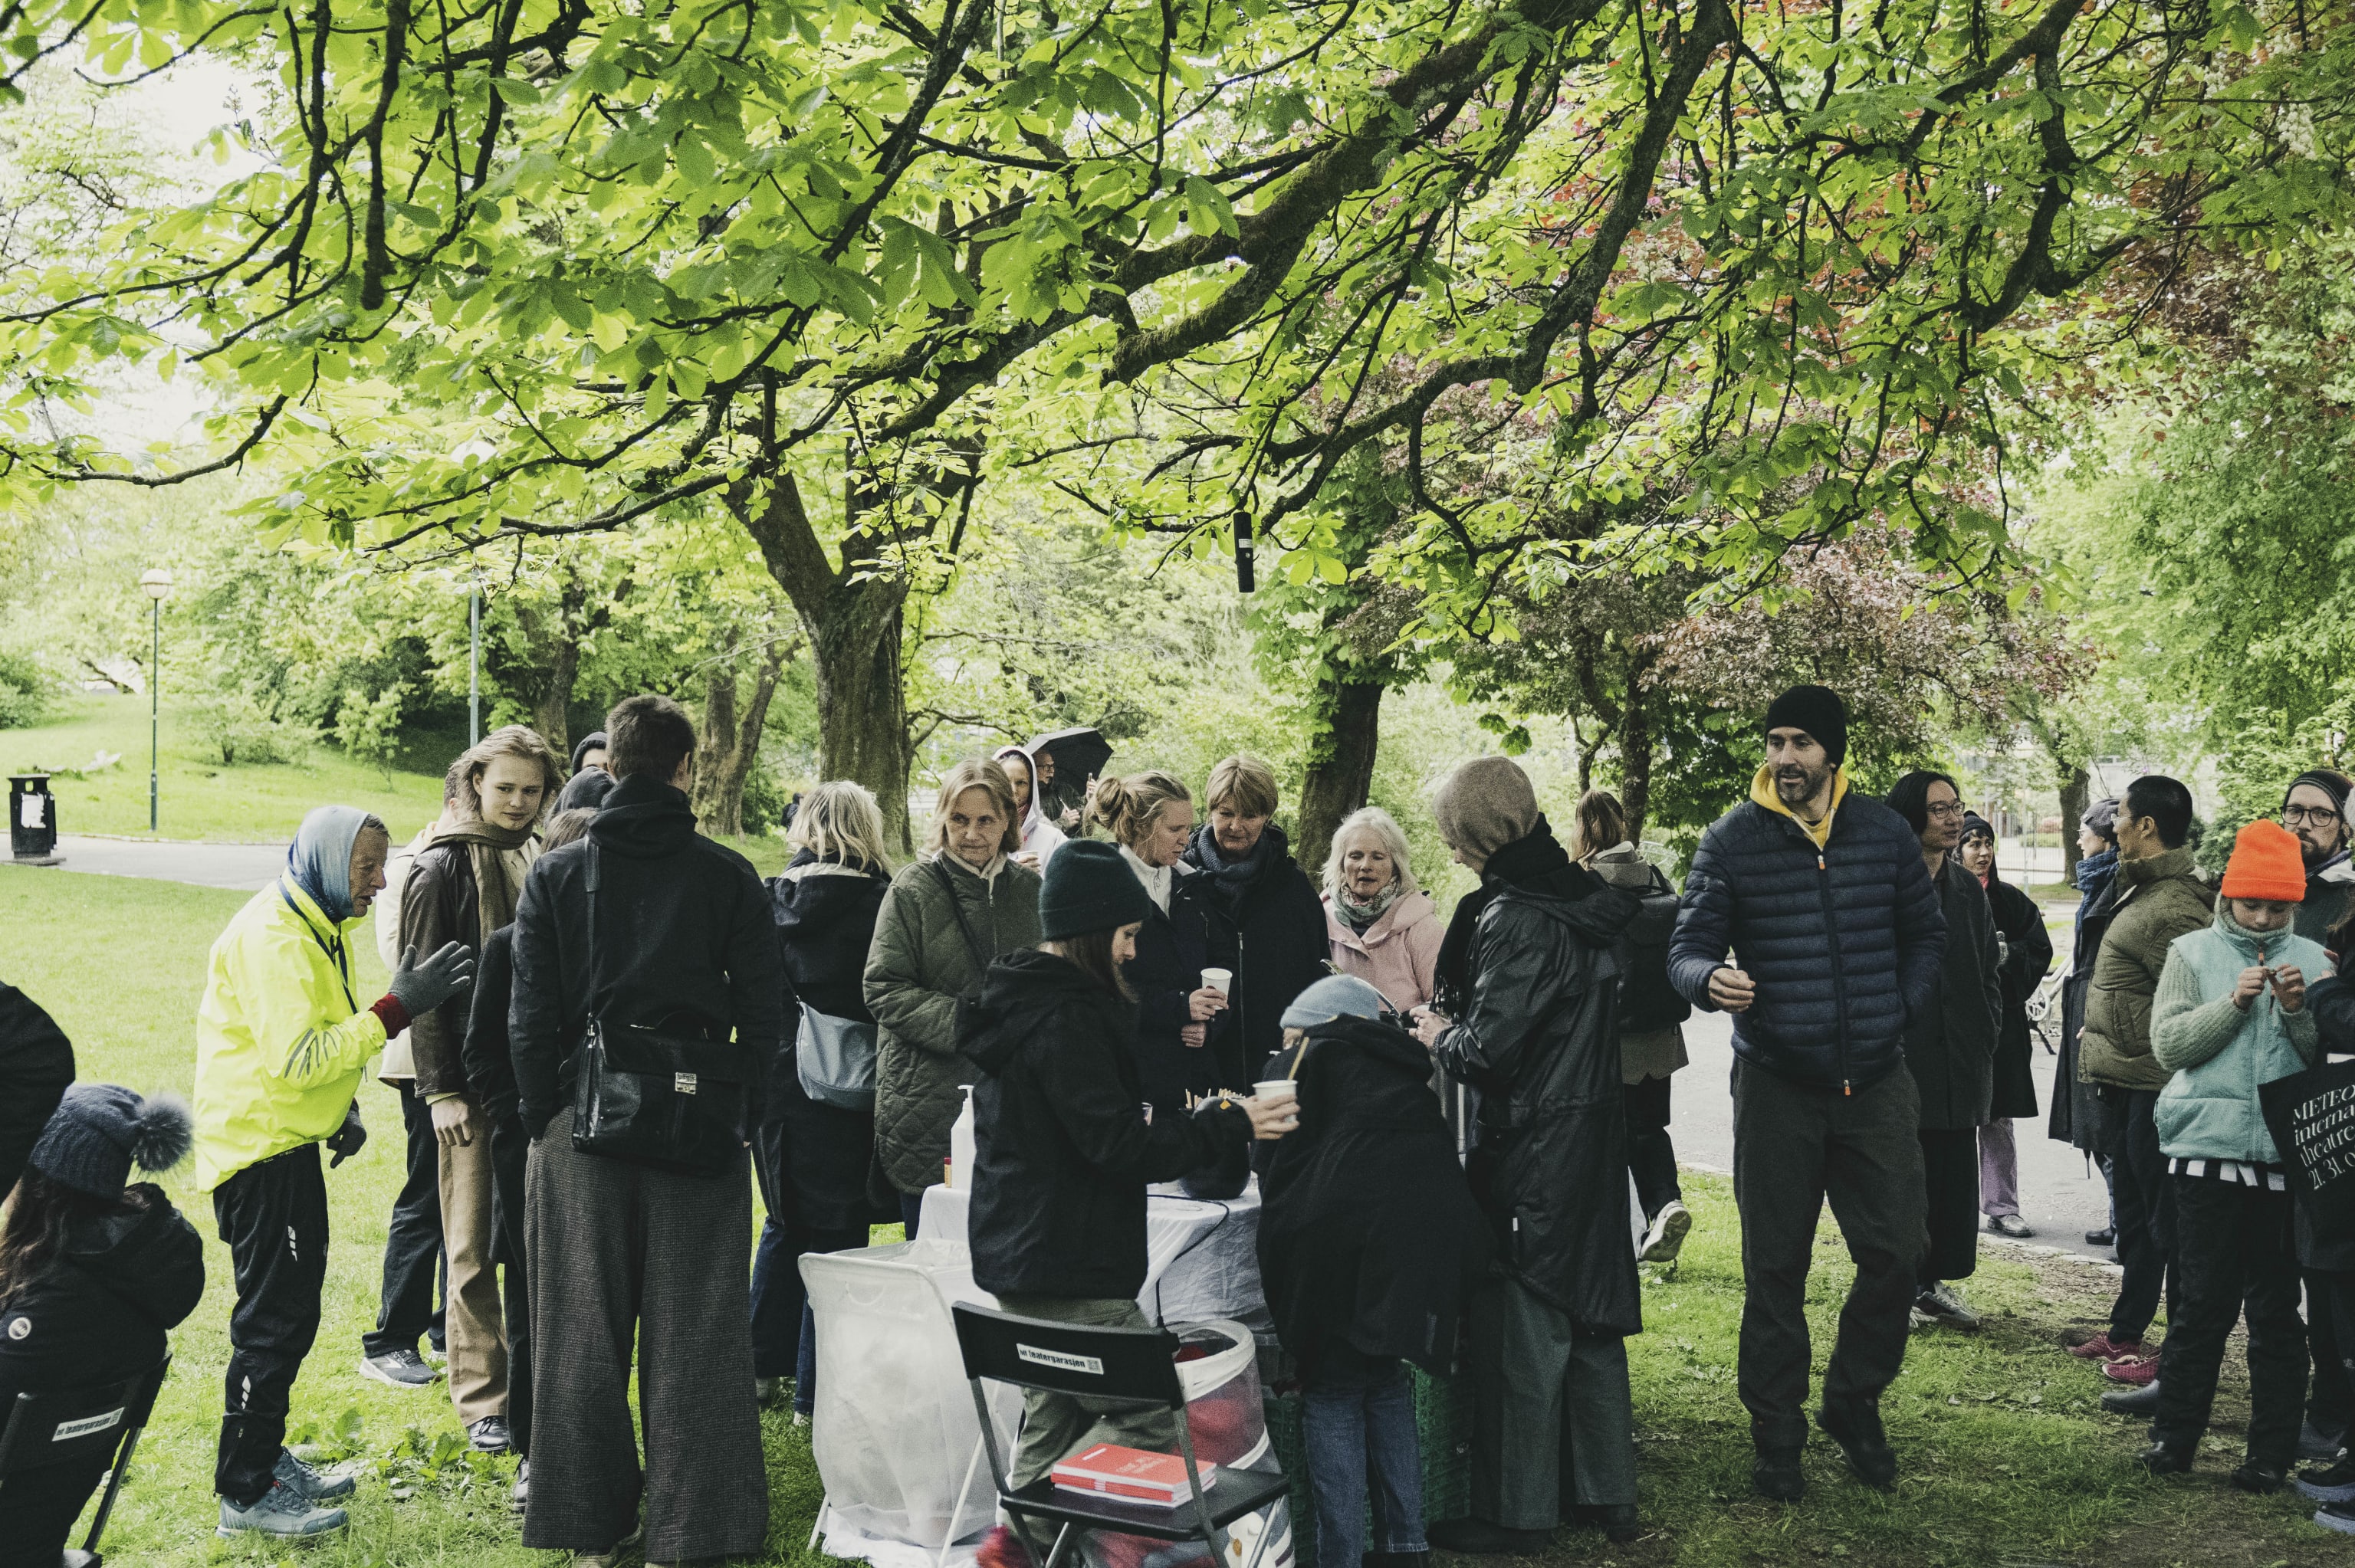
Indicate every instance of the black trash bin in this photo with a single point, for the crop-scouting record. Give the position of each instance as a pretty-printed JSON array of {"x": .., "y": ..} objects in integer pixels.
[{"x": 32, "y": 820}]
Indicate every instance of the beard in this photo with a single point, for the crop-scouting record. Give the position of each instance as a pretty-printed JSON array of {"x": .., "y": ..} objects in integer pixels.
[
  {"x": 1796, "y": 785},
  {"x": 2315, "y": 854}
]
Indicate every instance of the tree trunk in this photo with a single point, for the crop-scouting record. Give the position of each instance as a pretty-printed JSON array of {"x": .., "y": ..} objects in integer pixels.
[
  {"x": 727, "y": 738},
  {"x": 1341, "y": 774},
  {"x": 853, "y": 616},
  {"x": 1636, "y": 754},
  {"x": 2077, "y": 785},
  {"x": 551, "y": 703}
]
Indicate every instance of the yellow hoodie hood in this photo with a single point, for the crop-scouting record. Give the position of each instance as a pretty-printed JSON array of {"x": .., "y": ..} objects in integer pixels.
[{"x": 1762, "y": 790}]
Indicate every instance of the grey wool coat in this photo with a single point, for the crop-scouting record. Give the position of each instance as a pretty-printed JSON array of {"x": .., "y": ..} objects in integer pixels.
[{"x": 917, "y": 969}]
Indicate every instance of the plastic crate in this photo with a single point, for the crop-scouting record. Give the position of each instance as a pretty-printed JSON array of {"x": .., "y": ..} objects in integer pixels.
[{"x": 1442, "y": 1425}]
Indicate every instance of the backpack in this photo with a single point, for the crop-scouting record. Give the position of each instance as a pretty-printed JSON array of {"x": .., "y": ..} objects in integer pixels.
[{"x": 1647, "y": 1003}]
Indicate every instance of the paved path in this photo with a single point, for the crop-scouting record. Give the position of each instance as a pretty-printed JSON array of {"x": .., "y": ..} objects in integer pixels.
[
  {"x": 248, "y": 866},
  {"x": 2057, "y": 1195}
]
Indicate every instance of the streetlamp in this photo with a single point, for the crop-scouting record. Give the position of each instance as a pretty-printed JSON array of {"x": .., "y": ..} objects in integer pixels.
[{"x": 158, "y": 583}]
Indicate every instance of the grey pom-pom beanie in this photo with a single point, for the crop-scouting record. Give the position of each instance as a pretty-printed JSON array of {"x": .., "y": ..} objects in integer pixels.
[{"x": 100, "y": 1130}]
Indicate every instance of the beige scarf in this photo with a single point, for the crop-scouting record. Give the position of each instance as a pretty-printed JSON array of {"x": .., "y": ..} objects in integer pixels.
[{"x": 490, "y": 851}]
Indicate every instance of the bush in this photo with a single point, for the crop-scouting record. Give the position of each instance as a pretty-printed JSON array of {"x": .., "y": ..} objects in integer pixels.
[
  {"x": 25, "y": 691},
  {"x": 239, "y": 730}
]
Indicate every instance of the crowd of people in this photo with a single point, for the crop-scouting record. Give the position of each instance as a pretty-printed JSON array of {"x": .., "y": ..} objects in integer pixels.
[{"x": 604, "y": 1030}]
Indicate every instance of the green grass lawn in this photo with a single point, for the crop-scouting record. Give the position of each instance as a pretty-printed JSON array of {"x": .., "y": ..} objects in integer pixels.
[
  {"x": 201, "y": 799},
  {"x": 2006, "y": 1458}
]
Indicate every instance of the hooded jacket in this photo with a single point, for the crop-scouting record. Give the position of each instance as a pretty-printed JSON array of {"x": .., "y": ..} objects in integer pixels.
[
  {"x": 1268, "y": 926},
  {"x": 1398, "y": 955},
  {"x": 2329, "y": 892},
  {"x": 1950, "y": 1041},
  {"x": 684, "y": 944},
  {"x": 1843, "y": 937},
  {"x": 1062, "y": 1147},
  {"x": 37, "y": 1063},
  {"x": 1368, "y": 1237},
  {"x": 281, "y": 1038},
  {"x": 99, "y": 1312},
  {"x": 2219, "y": 1055},
  {"x": 916, "y": 970},
  {"x": 826, "y": 923},
  {"x": 2153, "y": 900},
  {"x": 1537, "y": 1039}
]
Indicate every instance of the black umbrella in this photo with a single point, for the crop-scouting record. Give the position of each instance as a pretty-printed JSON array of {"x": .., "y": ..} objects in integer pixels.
[{"x": 1079, "y": 754}]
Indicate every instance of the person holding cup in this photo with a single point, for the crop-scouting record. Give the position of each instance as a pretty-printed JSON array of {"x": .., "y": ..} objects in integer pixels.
[
  {"x": 1064, "y": 1144},
  {"x": 1150, "y": 816}
]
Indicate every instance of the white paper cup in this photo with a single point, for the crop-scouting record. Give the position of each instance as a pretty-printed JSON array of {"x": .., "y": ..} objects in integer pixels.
[
  {"x": 1277, "y": 1092},
  {"x": 1217, "y": 979}
]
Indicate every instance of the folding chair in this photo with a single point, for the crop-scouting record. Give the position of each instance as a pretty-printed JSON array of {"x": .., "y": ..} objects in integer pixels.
[
  {"x": 103, "y": 1422},
  {"x": 1129, "y": 1366}
]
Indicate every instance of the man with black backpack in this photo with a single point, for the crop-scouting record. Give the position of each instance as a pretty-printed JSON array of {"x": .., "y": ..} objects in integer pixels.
[
  {"x": 1651, "y": 1013},
  {"x": 648, "y": 991}
]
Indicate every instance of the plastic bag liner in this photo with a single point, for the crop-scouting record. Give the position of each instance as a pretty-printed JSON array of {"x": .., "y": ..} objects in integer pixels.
[
  {"x": 894, "y": 1433},
  {"x": 1217, "y": 1365}
]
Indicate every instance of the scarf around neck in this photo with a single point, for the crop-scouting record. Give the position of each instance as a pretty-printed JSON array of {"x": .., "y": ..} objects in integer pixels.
[
  {"x": 496, "y": 889},
  {"x": 1535, "y": 864},
  {"x": 1228, "y": 878},
  {"x": 1361, "y": 917}
]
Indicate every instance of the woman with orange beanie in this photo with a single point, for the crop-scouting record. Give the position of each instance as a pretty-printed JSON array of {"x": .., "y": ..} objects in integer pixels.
[{"x": 2231, "y": 1015}]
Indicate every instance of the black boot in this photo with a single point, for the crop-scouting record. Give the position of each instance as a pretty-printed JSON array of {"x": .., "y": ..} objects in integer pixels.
[
  {"x": 2166, "y": 1459},
  {"x": 2252, "y": 1477},
  {"x": 1478, "y": 1538},
  {"x": 2143, "y": 1400},
  {"x": 1856, "y": 1427},
  {"x": 1775, "y": 1474}
]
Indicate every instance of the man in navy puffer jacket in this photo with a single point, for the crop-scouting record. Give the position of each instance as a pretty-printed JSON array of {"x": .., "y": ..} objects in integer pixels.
[{"x": 1836, "y": 935}]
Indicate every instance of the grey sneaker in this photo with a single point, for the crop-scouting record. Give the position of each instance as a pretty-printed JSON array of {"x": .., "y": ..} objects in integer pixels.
[
  {"x": 488, "y": 1435},
  {"x": 765, "y": 1389},
  {"x": 1940, "y": 1304},
  {"x": 621, "y": 1551},
  {"x": 293, "y": 1472},
  {"x": 403, "y": 1368},
  {"x": 1666, "y": 1235},
  {"x": 520, "y": 1499},
  {"x": 281, "y": 1511},
  {"x": 2011, "y": 1225}
]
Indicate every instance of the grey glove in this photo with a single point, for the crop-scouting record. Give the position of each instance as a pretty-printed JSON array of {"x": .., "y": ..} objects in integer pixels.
[
  {"x": 419, "y": 988},
  {"x": 346, "y": 1140}
]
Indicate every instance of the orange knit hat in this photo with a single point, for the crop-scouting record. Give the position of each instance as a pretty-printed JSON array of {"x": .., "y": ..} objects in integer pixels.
[{"x": 2265, "y": 864}]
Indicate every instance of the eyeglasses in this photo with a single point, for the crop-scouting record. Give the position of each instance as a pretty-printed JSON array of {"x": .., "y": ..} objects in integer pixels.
[
  {"x": 1946, "y": 809},
  {"x": 2313, "y": 816}
]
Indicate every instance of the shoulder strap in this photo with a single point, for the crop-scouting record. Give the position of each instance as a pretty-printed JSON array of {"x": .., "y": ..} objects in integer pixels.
[{"x": 956, "y": 907}]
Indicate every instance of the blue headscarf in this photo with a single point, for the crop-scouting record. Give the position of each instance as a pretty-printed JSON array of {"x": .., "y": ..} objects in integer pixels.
[{"x": 319, "y": 861}]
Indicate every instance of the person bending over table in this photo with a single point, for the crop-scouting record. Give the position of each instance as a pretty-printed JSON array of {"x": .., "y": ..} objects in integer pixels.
[{"x": 1064, "y": 1147}]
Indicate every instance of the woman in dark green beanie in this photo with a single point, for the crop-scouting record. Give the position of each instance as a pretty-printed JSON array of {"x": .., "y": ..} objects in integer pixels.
[{"x": 1064, "y": 1145}]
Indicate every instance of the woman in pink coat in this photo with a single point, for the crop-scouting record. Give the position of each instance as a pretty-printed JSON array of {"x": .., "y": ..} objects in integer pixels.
[{"x": 1384, "y": 929}]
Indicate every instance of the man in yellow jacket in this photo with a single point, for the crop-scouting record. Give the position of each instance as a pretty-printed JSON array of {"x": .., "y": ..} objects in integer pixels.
[{"x": 281, "y": 1045}]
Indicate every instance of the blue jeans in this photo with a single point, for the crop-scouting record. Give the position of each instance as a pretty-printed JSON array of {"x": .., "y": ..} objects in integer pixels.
[{"x": 1355, "y": 1435}]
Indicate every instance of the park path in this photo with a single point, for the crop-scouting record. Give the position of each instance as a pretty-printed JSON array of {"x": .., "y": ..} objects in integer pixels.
[{"x": 251, "y": 867}]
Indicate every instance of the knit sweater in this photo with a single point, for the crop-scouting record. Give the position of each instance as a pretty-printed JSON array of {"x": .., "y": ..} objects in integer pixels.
[{"x": 2219, "y": 1055}]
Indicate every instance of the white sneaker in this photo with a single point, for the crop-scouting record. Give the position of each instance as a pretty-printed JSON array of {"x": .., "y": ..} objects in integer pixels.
[{"x": 1665, "y": 1237}]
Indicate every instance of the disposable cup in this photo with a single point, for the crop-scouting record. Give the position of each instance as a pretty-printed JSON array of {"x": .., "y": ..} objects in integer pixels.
[
  {"x": 1276, "y": 1092},
  {"x": 1217, "y": 979}
]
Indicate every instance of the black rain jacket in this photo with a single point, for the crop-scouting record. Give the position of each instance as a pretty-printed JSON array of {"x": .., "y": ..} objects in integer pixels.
[
  {"x": 99, "y": 1311},
  {"x": 1538, "y": 1038},
  {"x": 1368, "y": 1237},
  {"x": 37, "y": 1063},
  {"x": 1062, "y": 1149},
  {"x": 1270, "y": 930}
]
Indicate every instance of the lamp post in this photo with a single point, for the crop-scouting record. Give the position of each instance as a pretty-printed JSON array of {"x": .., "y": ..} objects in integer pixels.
[
  {"x": 158, "y": 583},
  {"x": 475, "y": 662}
]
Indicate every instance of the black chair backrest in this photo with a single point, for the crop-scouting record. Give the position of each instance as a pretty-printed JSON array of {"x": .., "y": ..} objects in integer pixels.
[
  {"x": 82, "y": 1425},
  {"x": 1135, "y": 1364}
]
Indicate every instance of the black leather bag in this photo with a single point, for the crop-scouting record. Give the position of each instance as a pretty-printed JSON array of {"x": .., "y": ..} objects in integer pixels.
[{"x": 668, "y": 1102}]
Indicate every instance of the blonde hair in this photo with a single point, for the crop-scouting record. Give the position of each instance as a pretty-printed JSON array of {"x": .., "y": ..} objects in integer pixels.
[
  {"x": 512, "y": 740},
  {"x": 975, "y": 773},
  {"x": 1243, "y": 784},
  {"x": 840, "y": 822},
  {"x": 1598, "y": 822},
  {"x": 1130, "y": 807},
  {"x": 1384, "y": 827}
]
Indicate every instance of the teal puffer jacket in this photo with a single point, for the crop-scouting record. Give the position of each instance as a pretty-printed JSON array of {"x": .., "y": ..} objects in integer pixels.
[{"x": 2219, "y": 1054}]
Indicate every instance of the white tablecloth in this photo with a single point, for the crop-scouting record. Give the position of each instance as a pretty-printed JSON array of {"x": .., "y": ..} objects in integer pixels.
[{"x": 1201, "y": 1256}]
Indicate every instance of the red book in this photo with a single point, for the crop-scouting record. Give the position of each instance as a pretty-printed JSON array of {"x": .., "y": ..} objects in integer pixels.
[{"x": 1133, "y": 1474}]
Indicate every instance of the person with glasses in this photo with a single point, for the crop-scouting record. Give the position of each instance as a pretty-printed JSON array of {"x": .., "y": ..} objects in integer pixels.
[
  {"x": 1950, "y": 1047},
  {"x": 2314, "y": 809}
]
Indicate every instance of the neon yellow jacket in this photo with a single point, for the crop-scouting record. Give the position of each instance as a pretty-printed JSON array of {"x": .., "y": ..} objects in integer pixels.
[{"x": 281, "y": 1040}]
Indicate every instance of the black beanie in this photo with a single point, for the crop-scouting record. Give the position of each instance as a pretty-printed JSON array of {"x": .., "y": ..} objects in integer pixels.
[
  {"x": 593, "y": 741},
  {"x": 1817, "y": 710},
  {"x": 100, "y": 1129},
  {"x": 2330, "y": 780},
  {"x": 1089, "y": 888}
]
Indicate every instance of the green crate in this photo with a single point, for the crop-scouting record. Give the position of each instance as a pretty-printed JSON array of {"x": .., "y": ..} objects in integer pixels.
[{"x": 1442, "y": 1425}]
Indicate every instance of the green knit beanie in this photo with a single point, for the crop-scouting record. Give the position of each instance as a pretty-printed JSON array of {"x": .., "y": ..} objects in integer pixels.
[{"x": 1089, "y": 888}]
